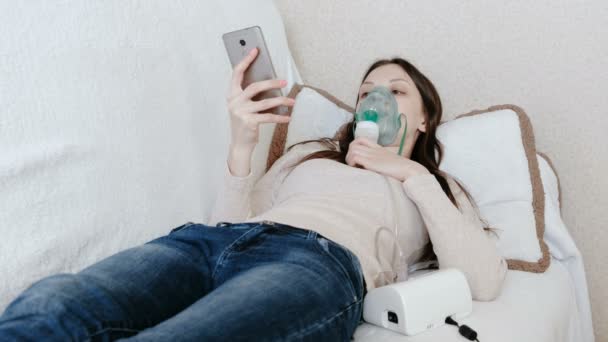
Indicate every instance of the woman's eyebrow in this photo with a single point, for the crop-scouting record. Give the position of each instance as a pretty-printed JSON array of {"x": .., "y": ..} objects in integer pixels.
[
  {"x": 399, "y": 79},
  {"x": 393, "y": 80}
]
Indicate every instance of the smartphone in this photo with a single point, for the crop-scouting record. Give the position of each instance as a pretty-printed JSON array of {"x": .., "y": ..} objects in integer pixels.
[{"x": 238, "y": 44}]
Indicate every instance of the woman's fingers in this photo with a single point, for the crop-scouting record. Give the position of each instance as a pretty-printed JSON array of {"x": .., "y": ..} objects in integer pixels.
[
  {"x": 365, "y": 142},
  {"x": 357, "y": 154},
  {"x": 271, "y": 118},
  {"x": 266, "y": 104},
  {"x": 361, "y": 145},
  {"x": 239, "y": 72},
  {"x": 349, "y": 159},
  {"x": 354, "y": 160},
  {"x": 257, "y": 87},
  {"x": 360, "y": 151},
  {"x": 245, "y": 115}
]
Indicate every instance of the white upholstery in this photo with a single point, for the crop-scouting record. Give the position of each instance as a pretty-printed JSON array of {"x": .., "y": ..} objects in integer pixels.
[{"x": 113, "y": 124}]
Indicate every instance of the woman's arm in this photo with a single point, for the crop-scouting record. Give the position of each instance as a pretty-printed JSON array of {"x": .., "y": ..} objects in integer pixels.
[
  {"x": 458, "y": 237},
  {"x": 240, "y": 196},
  {"x": 232, "y": 202}
]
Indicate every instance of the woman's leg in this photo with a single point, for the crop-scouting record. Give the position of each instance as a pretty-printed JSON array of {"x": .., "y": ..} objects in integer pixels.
[
  {"x": 274, "y": 284},
  {"x": 122, "y": 294}
]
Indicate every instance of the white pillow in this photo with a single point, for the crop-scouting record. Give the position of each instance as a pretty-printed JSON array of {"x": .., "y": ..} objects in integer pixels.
[
  {"x": 315, "y": 116},
  {"x": 557, "y": 236},
  {"x": 561, "y": 244},
  {"x": 492, "y": 153}
]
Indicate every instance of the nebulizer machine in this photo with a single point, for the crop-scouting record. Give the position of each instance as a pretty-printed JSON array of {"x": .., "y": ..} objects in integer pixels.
[{"x": 426, "y": 300}]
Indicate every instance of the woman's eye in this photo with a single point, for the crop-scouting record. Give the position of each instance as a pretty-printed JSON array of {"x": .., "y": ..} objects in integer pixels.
[
  {"x": 395, "y": 91},
  {"x": 363, "y": 94}
]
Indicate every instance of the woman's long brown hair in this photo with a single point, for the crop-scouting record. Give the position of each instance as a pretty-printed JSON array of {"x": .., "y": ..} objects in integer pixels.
[{"x": 424, "y": 148}]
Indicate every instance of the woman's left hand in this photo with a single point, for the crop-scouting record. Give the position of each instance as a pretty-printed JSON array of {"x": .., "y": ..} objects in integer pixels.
[{"x": 374, "y": 157}]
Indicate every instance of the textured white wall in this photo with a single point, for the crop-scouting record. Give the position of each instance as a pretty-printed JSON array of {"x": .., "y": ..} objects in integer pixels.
[{"x": 549, "y": 57}]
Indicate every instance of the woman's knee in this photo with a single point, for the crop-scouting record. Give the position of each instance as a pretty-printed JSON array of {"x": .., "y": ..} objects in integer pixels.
[
  {"x": 50, "y": 309},
  {"x": 50, "y": 295}
]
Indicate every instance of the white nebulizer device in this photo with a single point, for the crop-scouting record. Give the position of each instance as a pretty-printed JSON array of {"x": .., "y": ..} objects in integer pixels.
[{"x": 424, "y": 302}]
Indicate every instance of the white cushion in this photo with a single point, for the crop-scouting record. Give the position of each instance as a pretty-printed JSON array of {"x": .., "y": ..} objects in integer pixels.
[
  {"x": 557, "y": 235},
  {"x": 562, "y": 246},
  {"x": 314, "y": 116},
  {"x": 486, "y": 153},
  {"x": 114, "y": 126}
]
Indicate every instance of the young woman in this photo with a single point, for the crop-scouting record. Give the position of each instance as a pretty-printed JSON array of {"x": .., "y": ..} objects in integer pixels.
[{"x": 296, "y": 269}]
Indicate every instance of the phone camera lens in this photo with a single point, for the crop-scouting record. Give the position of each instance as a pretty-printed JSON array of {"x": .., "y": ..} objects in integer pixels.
[{"x": 242, "y": 42}]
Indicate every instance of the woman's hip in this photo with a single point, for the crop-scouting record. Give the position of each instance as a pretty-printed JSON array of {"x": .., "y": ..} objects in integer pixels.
[
  {"x": 275, "y": 269},
  {"x": 235, "y": 247}
]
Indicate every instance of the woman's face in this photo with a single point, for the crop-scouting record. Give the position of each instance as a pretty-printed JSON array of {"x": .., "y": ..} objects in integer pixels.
[{"x": 408, "y": 99}]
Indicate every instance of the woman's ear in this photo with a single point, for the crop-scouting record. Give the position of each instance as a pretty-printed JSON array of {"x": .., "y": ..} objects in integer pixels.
[{"x": 422, "y": 126}]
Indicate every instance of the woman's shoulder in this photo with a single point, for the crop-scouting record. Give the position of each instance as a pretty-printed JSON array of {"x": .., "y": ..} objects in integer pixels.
[
  {"x": 290, "y": 157},
  {"x": 310, "y": 146},
  {"x": 456, "y": 186},
  {"x": 453, "y": 184},
  {"x": 466, "y": 204},
  {"x": 298, "y": 151}
]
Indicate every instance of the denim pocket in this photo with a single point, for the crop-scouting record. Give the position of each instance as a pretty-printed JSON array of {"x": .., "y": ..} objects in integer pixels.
[{"x": 176, "y": 229}]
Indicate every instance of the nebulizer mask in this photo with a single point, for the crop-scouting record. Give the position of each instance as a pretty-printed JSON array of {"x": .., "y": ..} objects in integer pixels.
[{"x": 378, "y": 119}]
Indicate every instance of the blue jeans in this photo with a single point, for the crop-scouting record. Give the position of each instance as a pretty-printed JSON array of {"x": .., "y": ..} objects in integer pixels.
[{"x": 255, "y": 281}]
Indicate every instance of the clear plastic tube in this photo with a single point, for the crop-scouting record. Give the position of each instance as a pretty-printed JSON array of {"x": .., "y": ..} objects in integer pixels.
[
  {"x": 399, "y": 271},
  {"x": 400, "y": 268}
]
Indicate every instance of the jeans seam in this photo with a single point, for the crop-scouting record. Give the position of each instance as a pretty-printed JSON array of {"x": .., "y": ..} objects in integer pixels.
[
  {"x": 355, "y": 262},
  {"x": 100, "y": 331},
  {"x": 324, "y": 322},
  {"x": 335, "y": 260},
  {"x": 358, "y": 268},
  {"x": 287, "y": 231},
  {"x": 227, "y": 251}
]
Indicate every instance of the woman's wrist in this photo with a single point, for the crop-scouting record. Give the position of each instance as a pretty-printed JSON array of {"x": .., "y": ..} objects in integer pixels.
[
  {"x": 242, "y": 148},
  {"x": 412, "y": 173},
  {"x": 239, "y": 159}
]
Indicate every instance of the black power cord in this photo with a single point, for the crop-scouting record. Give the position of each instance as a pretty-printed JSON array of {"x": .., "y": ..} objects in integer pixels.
[{"x": 464, "y": 330}]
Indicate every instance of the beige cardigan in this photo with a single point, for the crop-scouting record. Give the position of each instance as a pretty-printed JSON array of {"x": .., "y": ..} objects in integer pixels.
[{"x": 347, "y": 205}]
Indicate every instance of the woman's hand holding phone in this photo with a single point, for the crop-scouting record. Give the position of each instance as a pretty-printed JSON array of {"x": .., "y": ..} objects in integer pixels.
[{"x": 246, "y": 115}]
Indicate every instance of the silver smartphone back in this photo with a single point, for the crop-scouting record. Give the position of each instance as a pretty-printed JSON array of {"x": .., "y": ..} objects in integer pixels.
[{"x": 238, "y": 44}]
